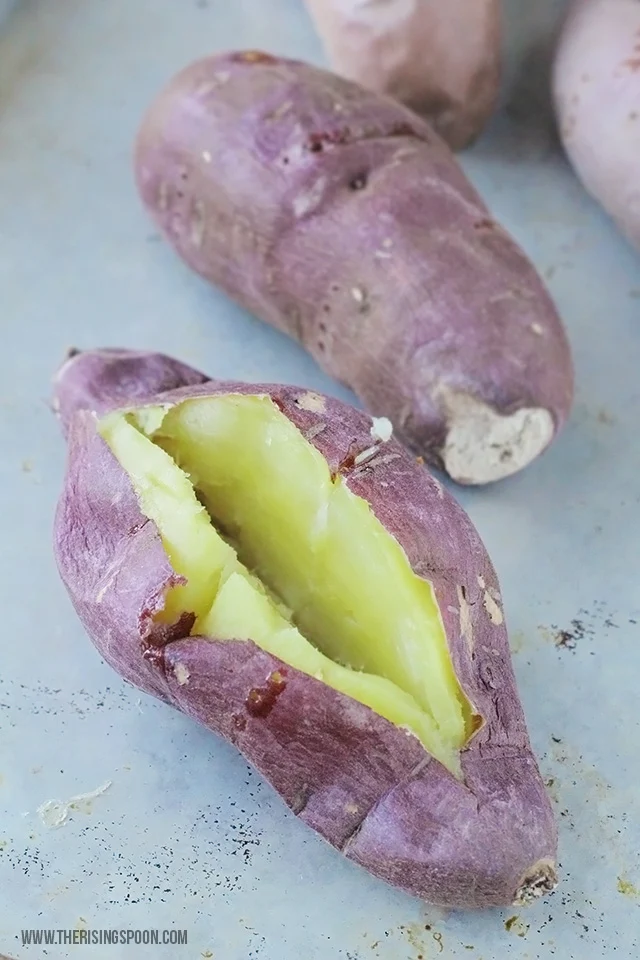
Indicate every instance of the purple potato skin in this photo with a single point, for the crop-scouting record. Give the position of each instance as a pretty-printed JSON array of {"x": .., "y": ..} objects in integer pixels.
[
  {"x": 338, "y": 216},
  {"x": 366, "y": 786}
]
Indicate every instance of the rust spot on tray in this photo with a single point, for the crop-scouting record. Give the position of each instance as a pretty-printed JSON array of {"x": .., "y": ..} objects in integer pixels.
[{"x": 261, "y": 700}]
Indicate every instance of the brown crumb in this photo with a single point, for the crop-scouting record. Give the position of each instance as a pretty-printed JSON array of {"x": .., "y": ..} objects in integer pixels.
[
  {"x": 516, "y": 925},
  {"x": 565, "y": 639},
  {"x": 568, "y": 639}
]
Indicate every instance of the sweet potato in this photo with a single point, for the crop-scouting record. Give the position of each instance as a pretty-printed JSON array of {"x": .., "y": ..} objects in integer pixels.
[
  {"x": 274, "y": 564},
  {"x": 341, "y": 218},
  {"x": 596, "y": 82},
  {"x": 441, "y": 59}
]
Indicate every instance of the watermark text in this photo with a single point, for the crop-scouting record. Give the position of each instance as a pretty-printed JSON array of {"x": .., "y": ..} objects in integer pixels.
[{"x": 102, "y": 936}]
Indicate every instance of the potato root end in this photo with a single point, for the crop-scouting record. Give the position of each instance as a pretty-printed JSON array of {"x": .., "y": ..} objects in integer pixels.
[
  {"x": 540, "y": 881},
  {"x": 483, "y": 445}
]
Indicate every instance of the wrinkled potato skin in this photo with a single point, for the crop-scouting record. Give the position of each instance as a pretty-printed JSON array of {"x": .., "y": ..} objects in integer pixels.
[
  {"x": 339, "y": 217},
  {"x": 442, "y": 59},
  {"x": 366, "y": 786}
]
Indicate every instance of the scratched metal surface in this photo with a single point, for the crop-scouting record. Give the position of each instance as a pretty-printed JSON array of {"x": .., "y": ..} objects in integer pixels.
[{"x": 186, "y": 836}]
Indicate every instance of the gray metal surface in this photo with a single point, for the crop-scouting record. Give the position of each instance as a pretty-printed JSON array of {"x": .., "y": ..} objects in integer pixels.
[{"x": 186, "y": 836}]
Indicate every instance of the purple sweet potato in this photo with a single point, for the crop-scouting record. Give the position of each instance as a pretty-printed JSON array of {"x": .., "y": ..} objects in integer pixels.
[
  {"x": 470, "y": 827},
  {"x": 341, "y": 218},
  {"x": 441, "y": 59}
]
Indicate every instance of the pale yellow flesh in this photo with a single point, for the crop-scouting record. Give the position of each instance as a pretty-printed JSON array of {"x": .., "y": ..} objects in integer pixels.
[{"x": 330, "y": 591}]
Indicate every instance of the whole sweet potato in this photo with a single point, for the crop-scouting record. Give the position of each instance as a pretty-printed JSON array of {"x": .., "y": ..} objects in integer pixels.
[
  {"x": 441, "y": 59},
  {"x": 272, "y": 563},
  {"x": 341, "y": 218},
  {"x": 596, "y": 82}
]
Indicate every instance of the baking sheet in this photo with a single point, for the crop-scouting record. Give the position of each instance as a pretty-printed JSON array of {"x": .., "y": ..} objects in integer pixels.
[{"x": 186, "y": 836}]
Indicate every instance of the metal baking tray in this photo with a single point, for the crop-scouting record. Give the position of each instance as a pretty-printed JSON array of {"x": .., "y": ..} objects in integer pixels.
[{"x": 186, "y": 836}]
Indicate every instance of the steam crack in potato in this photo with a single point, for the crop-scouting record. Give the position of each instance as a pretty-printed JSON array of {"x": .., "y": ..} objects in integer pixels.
[{"x": 276, "y": 550}]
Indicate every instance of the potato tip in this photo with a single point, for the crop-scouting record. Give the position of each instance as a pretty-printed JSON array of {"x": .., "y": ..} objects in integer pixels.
[{"x": 540, "y": 881}]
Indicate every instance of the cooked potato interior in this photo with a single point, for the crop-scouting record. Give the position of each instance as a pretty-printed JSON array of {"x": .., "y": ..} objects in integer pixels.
[{"x": 276, "y": 550}]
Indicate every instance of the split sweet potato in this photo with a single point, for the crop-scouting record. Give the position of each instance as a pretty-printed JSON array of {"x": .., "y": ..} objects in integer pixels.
[{"x": 274, "y": 564}]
